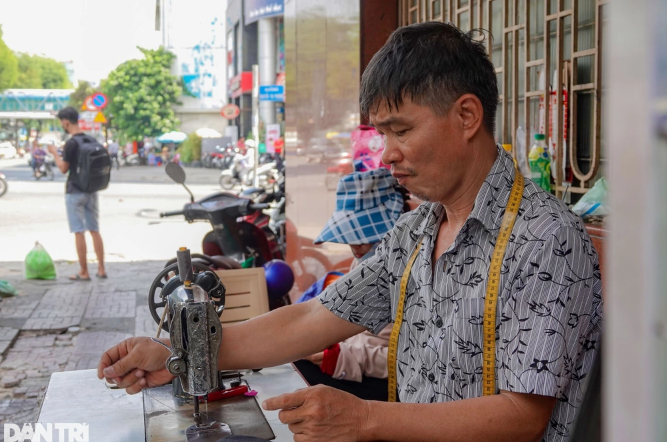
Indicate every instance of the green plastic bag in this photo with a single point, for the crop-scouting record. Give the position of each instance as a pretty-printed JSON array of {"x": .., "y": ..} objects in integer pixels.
[
  {"x": 594, "y": 202},
  {"x": 38, "y": 264},
  {"x": 6, "y": 289}
]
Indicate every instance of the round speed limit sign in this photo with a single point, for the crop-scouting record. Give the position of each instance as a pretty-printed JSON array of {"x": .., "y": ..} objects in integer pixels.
[{"x": 230, "y": 111}]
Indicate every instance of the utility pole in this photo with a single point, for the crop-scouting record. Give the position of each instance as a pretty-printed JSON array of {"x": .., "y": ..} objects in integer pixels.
[{"x": 255, "y": 120}]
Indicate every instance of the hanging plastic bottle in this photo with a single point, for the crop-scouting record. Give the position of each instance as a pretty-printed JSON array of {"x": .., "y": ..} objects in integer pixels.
[{"x": 540, "y": 163}]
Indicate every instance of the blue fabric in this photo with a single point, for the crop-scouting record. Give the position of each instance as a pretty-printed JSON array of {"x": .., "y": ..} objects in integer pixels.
[
  {"x": 315, "y": 289},
  {"x": 82, "y": 212},
  {"x": 367, "y": 206}
]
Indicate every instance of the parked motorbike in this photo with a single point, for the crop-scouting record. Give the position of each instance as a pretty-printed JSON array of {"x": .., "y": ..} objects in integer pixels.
[
  {"x": 45, "y": 170},
  {"x": 3, "y": 184},
  {"x": 132, "y": 159},
  {"x": 231, "y": 242},
  {"x": 267, "y": 174},
  {"x": 234, "y": 242},
  {"x": 271, "y": 221}
]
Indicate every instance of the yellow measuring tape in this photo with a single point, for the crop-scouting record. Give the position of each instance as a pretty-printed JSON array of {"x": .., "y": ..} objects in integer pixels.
[
  {"x": 490, "y": 302},
  {"x": 396, "y": 329}
]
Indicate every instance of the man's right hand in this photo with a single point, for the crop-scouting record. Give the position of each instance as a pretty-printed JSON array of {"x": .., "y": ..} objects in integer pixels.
[{"x": 135, "y": 364}]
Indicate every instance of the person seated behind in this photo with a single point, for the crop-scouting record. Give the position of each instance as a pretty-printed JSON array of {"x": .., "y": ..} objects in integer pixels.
[
  {"x": 368, "y": 205},
  {"x": 38, "y": 156}
]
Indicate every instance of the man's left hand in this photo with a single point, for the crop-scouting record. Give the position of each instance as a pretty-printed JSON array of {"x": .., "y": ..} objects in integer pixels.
[{"x": 322, "y": 413}]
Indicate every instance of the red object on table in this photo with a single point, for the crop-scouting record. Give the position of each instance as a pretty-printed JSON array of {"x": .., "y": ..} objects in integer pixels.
[{"x": 224, "y": 394}]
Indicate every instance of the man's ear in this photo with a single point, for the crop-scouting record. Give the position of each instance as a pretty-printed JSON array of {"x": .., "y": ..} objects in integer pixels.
[{"x": 471, "y": 114}]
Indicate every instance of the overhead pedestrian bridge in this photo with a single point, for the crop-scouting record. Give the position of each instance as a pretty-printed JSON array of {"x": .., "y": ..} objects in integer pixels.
[{"x": 33, "y": 104}]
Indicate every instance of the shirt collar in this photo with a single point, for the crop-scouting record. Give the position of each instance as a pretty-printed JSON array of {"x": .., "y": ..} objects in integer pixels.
[
  {"x": 490, "y": 202},
  {"x": 494, "y": 194}
]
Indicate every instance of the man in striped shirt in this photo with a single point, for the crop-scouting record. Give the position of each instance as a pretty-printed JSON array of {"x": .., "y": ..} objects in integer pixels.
[{"x": 432, "y": 92}]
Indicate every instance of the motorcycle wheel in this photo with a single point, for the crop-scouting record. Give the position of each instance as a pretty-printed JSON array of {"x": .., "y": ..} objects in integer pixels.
[
  {"x": 49, "y": 174},
  {"x": 3, "y": 186},
  {"x": 226, "y": 182}
]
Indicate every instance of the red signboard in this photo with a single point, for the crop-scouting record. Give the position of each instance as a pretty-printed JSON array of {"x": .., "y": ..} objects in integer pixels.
[
  {"x": 230, "y": 111},
  {"x": 240, "y": 84},
  {"x": 280, "y": 79},
  {"x": 88, "y": 126}
]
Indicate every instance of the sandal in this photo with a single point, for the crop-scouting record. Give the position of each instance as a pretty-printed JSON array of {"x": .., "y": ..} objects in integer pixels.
[
  {"x": 101, "y": 276},
  {"x": 78, "y": 277}
]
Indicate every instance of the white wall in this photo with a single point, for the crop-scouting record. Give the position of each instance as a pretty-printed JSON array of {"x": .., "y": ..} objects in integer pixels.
[
  {"x": 635, "y": 364},
  {"x": 195, "y": 33}
]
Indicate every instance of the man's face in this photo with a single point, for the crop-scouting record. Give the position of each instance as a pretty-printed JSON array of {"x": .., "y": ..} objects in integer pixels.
[
  {"x": 65, "y": 125},
  {"x": 360, "y": 250},
  {"x": 427, "y": 152}
]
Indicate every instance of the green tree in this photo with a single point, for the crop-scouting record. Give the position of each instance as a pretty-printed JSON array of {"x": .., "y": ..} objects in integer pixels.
[
  {"x": 37, "y": 72},
  {"x": 53, "y": 73},
  {"x": 29, "y": 76},
  {"x": 141, "y": 93},
  {"x": 82, "y": 91},
  {"x": 9, "y": 68},
  {"x": 190, "y": 150}
]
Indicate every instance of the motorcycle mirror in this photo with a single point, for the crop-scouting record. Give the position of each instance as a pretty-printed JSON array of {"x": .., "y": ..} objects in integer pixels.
[{"x": 175, "y": 172}]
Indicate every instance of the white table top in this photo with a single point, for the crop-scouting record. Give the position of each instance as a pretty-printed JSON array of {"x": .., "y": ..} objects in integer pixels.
[{"x": 113, "y": 415}]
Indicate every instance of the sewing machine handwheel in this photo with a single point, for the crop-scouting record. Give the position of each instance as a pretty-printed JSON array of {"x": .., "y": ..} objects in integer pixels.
[{"x": 157, "y": 293}]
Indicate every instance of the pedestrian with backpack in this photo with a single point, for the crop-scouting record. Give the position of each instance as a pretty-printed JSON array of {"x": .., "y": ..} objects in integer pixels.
[{"x": 89, "y": 167}]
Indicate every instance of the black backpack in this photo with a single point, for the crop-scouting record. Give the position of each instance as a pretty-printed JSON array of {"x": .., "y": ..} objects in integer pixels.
[{"x": 93, "y": 167}]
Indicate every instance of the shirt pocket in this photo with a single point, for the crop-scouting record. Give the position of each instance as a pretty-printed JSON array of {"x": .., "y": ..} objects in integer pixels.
[{"x": 466, "y": 343}]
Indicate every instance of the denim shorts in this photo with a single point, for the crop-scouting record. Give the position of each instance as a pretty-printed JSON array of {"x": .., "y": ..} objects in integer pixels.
[{"x": 82, "y": 212}]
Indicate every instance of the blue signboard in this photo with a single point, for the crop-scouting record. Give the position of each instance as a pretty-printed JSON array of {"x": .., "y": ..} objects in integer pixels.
[
  {"x": 272, "y": 93},
  {"x": 256, "y": 9}
]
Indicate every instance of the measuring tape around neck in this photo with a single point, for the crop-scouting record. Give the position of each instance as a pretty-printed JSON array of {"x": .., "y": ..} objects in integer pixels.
[
  {"x": 490, "y": 301},
  {"x": 396, "y": 329}
]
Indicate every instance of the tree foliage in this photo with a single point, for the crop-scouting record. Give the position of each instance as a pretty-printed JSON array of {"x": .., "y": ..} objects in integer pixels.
[
  {"x": 141, "y": 93},
  {"x": 29, "y": 74},
  {"x": 8, "y": 65},
  {"x": 83, "y": 90},
  {"x": 37, "y": 72},
  {"x": 190, "y": 150}
]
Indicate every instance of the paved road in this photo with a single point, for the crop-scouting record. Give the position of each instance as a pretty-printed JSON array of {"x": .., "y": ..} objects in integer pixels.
[{"x": 35, "y": 211}]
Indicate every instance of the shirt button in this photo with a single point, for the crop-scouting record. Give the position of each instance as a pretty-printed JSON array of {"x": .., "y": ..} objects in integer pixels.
[
  {"x": 438, "y": 322},
  {"x": 431, "y": 377}
]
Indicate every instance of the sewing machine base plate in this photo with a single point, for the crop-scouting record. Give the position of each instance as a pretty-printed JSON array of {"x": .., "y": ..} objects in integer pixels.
[
  {"x": 211, "y": 433},
  {"x": 167, "y": 418}
]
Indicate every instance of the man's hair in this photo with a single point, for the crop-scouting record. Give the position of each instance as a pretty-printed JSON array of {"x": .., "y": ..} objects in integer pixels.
[
  {"x": 432, "y": 64},
  {"x": 70, "y": 114}
]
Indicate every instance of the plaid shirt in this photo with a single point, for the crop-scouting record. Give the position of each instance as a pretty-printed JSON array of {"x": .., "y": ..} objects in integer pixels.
[{"x": 549, "y": 306}]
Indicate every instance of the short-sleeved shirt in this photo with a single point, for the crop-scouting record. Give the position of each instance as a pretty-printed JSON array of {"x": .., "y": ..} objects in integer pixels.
[
  {"x": 549, "y": 312},
  {"x": 70, "y": 154}
]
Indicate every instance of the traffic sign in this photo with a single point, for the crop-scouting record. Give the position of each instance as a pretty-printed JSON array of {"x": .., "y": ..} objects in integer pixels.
[
  {"x": 230, "y": 111},
  {"x": 272, "y": 93},
  {"x": 100, "y": 100},
  {"x": 87, "y": 116},
  {"x": 88, "y": 104},
  {"x": 100, "y": 118}
]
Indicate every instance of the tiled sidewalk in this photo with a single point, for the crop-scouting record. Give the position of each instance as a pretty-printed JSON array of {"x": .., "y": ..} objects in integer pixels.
[{"x": 61, "y": 325}]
